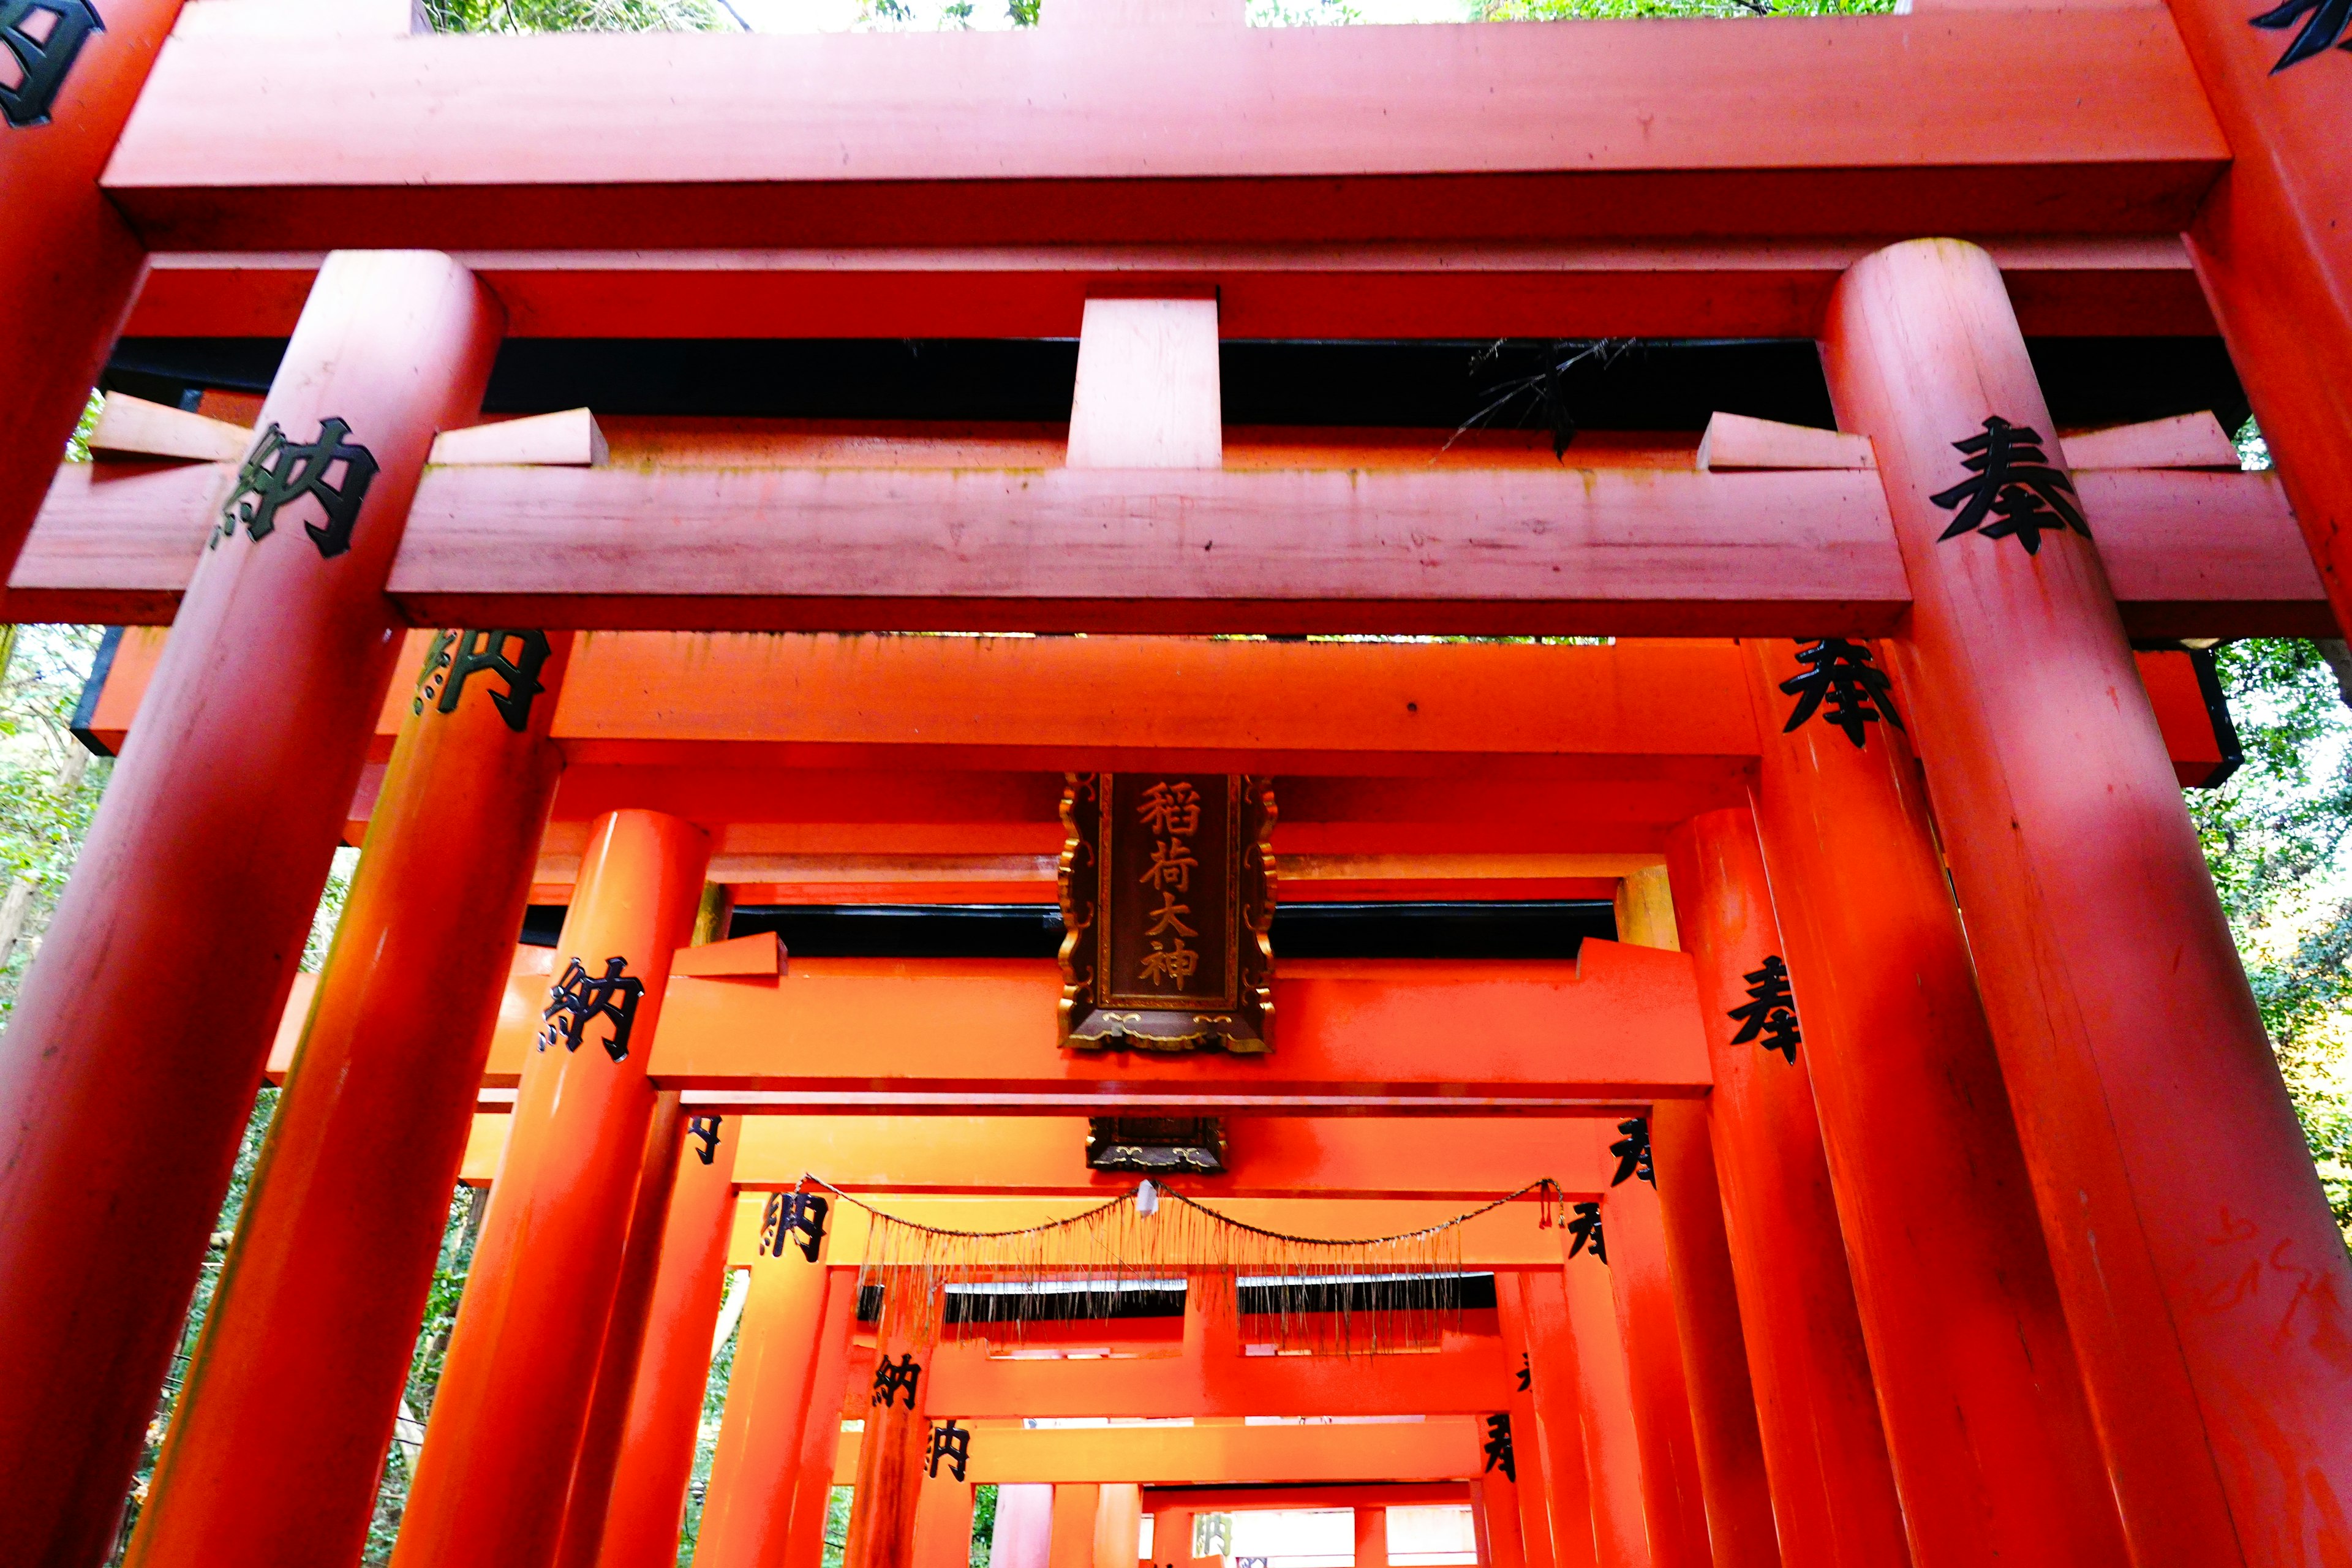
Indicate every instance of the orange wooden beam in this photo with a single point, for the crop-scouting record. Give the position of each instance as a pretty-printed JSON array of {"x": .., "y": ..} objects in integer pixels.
[
  {"x": 1619, "y": 1025},
  {"x": 1625, "y": 551},
  {"x": 1392, "y": 1494},
  {"x": 1442, "y": 1449},
  {"x": 1471, "y": 1158},
  {"x": 2093, "y": 122},
  {"x": 1769, "y": 289}
]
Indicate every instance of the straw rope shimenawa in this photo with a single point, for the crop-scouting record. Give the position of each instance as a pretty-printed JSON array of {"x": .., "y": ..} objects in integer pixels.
[{"x": 1323, "y": 1295}]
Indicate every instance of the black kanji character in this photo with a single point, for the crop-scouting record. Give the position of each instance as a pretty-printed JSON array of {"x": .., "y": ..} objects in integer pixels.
[
  {"x": 1633, "y": 1151},
  {"x": 706, "y": 1128},
  {"x": 279, "y": 472},
  {"x": 1497, "y": 1450},
  {"x": 576, "y": 997},
  {"x": 1771, "y": 1010},
  {"x": 1526, "y": 1374},
  {"x": 789, "y": 1214},
  {"x": 2323, "y": 30},
  {"x": 889, "y": 1378},
  {"x": 1586, "y": 1228},
  {"x": 2010, "y": 477},
  {"x": 1842, "y": 673},
  {"x": 456, "y": 657},
  {"x": 42, "y": 62},
  {"x": 952, "y": 1443}
]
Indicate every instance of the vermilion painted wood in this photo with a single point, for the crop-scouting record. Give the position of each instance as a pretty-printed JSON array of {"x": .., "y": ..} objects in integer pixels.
[
  {"x": 1555, "y": 1513},
  {"x": 1531, "y": 1313},
  {"x": 2205, "y": 1281},
  {"x": 626, "y": 1326},
  {"x": 1732, "y": 1481},
  {"x": 1075, "y": 1506},
  {"x": 491, "y": 1485},
  {"x": 1817, "y": 1413},
  {"x": 1673, "y": 1497},
  {"x": 1609, "y": 551},
  {"x": 2137, "y": 285},
  {"x": 1366, "y": 1499},
  {"x": 1445, "y": 1449},
  {"x": 656, "y": 1453},
  {"x": 943, "y": 1522},
  {"x": 1956, "y": 1302},
  {"x": 207, "y": 859},
  {"x": 1118, "y": 1526},
  {"x": 1179, "y": 133},
  {"x": 811, "y": 1482},
  {"x": 2269, "y": 247},
  {"x": 1495, "y": 1509},
  {"x": 286, "y": 1411},
  {"x": 70, "y": 266},
  {"x": 1584, "y": 1314},
  {"x": 770, "y": 1399},
  {"x": 1351, "y": 1028}
]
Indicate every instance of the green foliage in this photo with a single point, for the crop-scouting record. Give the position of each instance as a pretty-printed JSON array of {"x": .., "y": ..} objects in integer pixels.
[
  {"x": 2278, "y": 837},
  {"x": 837, "y": 1524},
  {"x": 705, "y": 1441},
  {"x": 572, "y": 16},
  {"x": 49, "y": 784},
  {"x": 984, "y": 1524},
  {"x": 78, "y": 443},
  {"x": 1302, "y": 14}
]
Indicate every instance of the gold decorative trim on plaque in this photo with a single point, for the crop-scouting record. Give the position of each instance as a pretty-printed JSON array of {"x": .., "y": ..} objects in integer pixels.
[{"x": 1166, "y": 888}]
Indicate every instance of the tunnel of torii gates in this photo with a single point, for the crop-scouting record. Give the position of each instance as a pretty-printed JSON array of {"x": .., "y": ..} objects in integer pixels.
[{"x": 1921, "y": 1184}]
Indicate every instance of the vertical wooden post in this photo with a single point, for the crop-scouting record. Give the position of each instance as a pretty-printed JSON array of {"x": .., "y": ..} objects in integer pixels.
[
  {"x": 2268, "y": 246},
  {"x": 772, "y": 1396},
  {"x": 1532, "y": 1313},
  {"x": 591, "y": 1492},
  {"x": 897, "y": 1432},
  {"x": 507, "y": 1423},
  {"x": 1495, "y": 1504},
  {"x": 1172, "y": 1535},
  {"x": 1671, "y": 1493},
  {"x": 1956, "y": 1302},
  {"x": 1817, "y": 1411},
  {"x": 1586, "y": 1308},
  {"x": 648, "y": 1498},
  {"x": 1076, "y": 1508},
  {"x": 288, "y": 1408},
  {"x": 158, "y": 988},
  {"x": 811, "y": 1481},
  {"x": 1118, "y": 1526},
  {"x": 943, "y": 1521},
  {"x": 1024, "y": 1530},
  {"x": 1740, "y": 1530},
  {"x": 69, "y": 265},
  {"x": 1372, "y": 1539},
  {"x": 2209, "y": 1292},
  {"x": 1555, "y": 1534}
]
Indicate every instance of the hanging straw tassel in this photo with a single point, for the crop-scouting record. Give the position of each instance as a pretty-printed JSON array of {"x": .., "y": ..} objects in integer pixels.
[{"x": 1327, "y": 1296}]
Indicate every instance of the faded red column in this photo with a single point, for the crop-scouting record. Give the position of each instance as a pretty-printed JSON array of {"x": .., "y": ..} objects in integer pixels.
[
  {"x": 773, "y": 1394},
  {"x": 1532, "y": 1311},
  {"x": 1740, "y": 1530},
  {"x": 1954, "y": 1289},
  {"x": 1371, "y": 1541},
  {"x": 2269, "y": 247},
  {"x": 1816, "y": 1410},
  {"x": 151, "y": 1008},
  {"x": 592, "y": 1471},
  {"x": 288, "y": 1409},
  {"x": 69, "y": 265},
  {"x": 890, "y": 1453},
  {"x": 506, "y": 1421},
  {"x": 656, "y": 1452},
  {"x": 2208, "y": 1290},
  {"x": 1644, "y": 1296},
  {"x": 943, "y": 1522}
]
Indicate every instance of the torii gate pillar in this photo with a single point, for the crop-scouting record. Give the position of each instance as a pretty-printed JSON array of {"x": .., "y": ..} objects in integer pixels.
[
  {"x": 283, "y": 1424},
  {"x": 2208, "y": 1290},
  {"x": 507, "y": 1423},
  {"x": 151, "y": 1008}
]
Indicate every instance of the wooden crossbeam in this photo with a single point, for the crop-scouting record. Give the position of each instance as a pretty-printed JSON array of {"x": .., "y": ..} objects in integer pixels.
[
  {"x": 1625, "y": 551},
  {"x": 2080, "y": 285},
  {"x": 2090, "y": 122},
  {"x": 1468, "y": 1159},
  {"x": 1445, "y": 1448}
]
